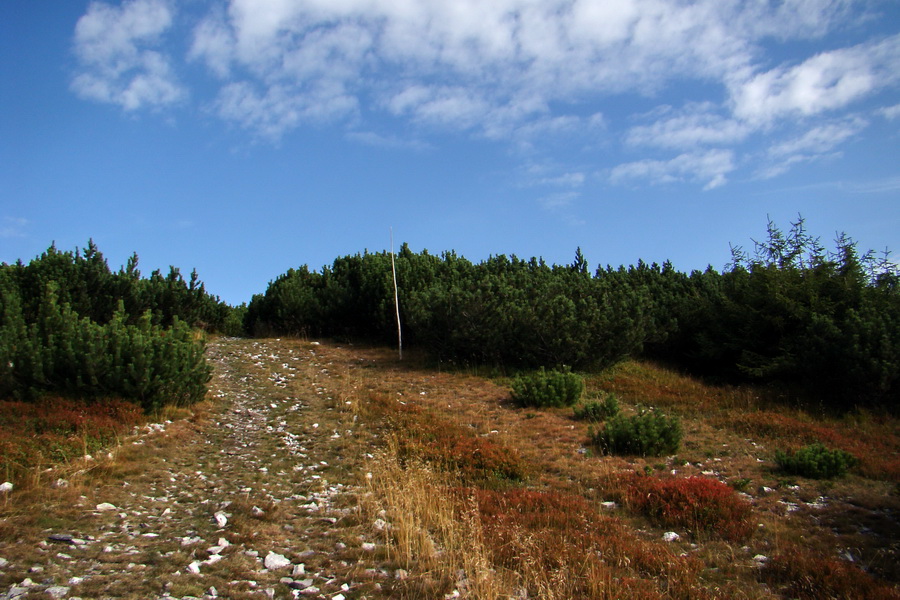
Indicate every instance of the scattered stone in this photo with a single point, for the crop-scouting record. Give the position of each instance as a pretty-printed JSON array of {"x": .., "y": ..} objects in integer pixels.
[
  {"x": 3, "y": 562},
  {"x": 194, "y": 568},
  {"x": 368, "y": 547},
  {"x": 223, "y": 543},
  {"x": 301, "y": 585},
  {"x": 62, "y": 538},
  {"x": 106, "y": 506},
  {"x": 609, "y": 505},
  {"x": 274, "y": 561},
  {"x": 6, "y": 487},
  {"x": 57, "y": 591},
  {"x": 760, "y": 560},
  {"x": 671, "y": 536},
  {"x": 298, "y": 570},
  {"x": 221, "y": 519}
]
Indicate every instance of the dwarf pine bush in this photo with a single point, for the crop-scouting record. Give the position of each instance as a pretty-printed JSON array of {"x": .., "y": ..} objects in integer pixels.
[
  {"x": 816, "y": 462},
  {"x": 598, "y": 410},
  {"x": 649, "y": 433},
  {"x": 547, "y": 388}
]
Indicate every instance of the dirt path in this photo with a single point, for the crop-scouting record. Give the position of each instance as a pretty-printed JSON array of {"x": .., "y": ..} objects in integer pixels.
[{"x": 253, "y": 499}]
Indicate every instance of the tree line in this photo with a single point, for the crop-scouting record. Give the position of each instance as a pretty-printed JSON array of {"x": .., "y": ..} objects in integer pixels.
[
  {"x": 789, "y": 313},
  {"x": 822, "y": 323}
]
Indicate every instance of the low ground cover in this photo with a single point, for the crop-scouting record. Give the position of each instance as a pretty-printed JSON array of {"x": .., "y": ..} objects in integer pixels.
[{"x": 409, "y": 482}]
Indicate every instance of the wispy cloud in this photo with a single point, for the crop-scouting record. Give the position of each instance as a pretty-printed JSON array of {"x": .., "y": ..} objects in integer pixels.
[
  {"x": 558, "y": 200},
  {"x": 708, "y": 168},
  {"x": 890, "y": 112},
  {"x": 371, "y": 138},
  {"x": 13, "y": 227},
  {"x": 692, "y": 127},
  {"x": 521, "y": 72},
  {"x": 117, "y": 62},
  {"x": 817, "y": 143}
]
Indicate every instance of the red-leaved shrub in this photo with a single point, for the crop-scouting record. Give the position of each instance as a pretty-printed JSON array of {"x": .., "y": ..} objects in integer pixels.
[
  {"x": 799, "y": 572},
  {"x": 699, "y": 504}
]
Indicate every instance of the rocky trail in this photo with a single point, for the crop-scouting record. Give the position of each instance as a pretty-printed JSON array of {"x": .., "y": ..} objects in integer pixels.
[{"x": 255, "y": 497}]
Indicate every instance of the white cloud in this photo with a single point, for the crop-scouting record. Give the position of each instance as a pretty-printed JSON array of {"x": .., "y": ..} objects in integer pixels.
[
  {"x": 709, "y": 168},
  {"x": 525, "y": 72},
  {"x": 492, "y": 68},
  {"x": 694, "y": 127},
  {"x": 825, "y": 82},
  {"x": 281, "y": 108},
  {"x": 820, "y": 139},
  {"x": 214, "y": 43},
  {"x": 890, "y": 112},
  {"x": 816, "y": 144},
  {"x": 117, "y": 64}
]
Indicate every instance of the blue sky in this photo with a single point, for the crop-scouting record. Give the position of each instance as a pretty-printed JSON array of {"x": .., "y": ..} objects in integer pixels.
[{"x": 244, "y": 137}]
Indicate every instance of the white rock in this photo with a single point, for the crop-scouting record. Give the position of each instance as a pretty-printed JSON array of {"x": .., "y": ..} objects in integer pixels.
[
  {"x": 57, "y": 591},
  {"x": 337, "y": 597},
  {"x": 609, "y": 505},
  {"x": 671, "y": 536},
  {"x": 104, "y": 506},
  {"x": 3, "y": 562},
  {"x": 194, "y": 567},
  {"x": 760, "y": 559},
  {"x": 299, "y": 570},
  {"x": 276, "y": 561},
  {"x": 221, "y": 519}
]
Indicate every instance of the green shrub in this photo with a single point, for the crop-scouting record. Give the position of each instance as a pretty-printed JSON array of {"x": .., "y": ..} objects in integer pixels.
[
  {"x": 649, "y": 433},
  {"x": 598, "y": 410},
  {"x": 547, "y": 388},
  {"x": 816, "y": 461}
]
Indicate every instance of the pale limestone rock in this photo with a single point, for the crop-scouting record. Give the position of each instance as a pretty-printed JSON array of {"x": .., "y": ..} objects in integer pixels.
[{"x": 275, "y": 561}]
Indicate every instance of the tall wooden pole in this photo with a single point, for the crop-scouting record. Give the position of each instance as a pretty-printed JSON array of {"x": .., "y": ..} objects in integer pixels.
[{"x": 396, "y": 297}]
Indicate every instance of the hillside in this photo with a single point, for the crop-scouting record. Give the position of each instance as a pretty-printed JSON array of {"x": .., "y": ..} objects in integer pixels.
[{"x": 332, "y": 471}]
